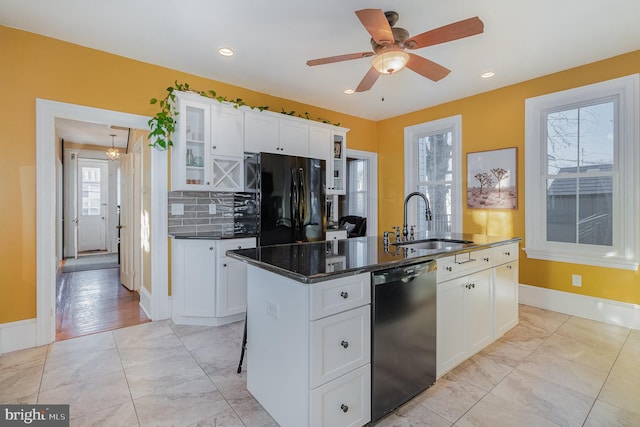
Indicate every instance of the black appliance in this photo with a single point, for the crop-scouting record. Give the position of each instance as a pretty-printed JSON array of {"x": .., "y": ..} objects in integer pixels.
[
  {"x": 403, "y": 335},
  {"x": 292, "y": 199}
]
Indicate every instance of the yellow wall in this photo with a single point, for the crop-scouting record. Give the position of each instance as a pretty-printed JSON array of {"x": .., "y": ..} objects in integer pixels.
[
  {"x": 494, "y": 120},
  {"x": 39, "y": 67}
]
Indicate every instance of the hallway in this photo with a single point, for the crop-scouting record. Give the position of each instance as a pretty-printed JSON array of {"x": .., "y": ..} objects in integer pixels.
[{"x": 94, "y": 301}]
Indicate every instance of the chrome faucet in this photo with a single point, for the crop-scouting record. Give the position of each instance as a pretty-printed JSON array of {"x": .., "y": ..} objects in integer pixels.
[{"x": 427, "y": 211}]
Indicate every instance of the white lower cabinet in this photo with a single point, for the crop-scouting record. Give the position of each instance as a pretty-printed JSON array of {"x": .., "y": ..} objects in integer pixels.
[
  {"x": 312, "y": 342},
  {"x": 477, "y": 295},
  {"x": 208, "y": 288}
]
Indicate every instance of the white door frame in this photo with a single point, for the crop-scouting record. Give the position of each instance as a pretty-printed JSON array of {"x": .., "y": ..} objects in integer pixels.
[
  {"x": 46, "y": 199},
  {"x": 372, "y": 187}
]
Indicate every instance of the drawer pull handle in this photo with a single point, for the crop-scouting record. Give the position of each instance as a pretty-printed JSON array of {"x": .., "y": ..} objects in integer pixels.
[
  {"x": 344, "y": 407},
  {"x": 466, "y": 261},
  {"x": 448, "y": 268},
  {"x": 507, "y": 253},
  {"x": 344, "y": 344},
  {"x": 211, "y": 248},
  {"x": 344, "y": 294},
  {"x": 470, "y": 285},
  {"x": 239, "y": 247},
  {"x": 486, "y": 259},
  {"x": 509, "y": 267}
]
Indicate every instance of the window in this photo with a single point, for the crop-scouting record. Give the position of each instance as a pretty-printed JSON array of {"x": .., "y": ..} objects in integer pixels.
[
  {"x": 581, "y": 153},
  {"x": 91, "y": 191},
  {"x": 357, "y": 192},
  {"x": 433, "y": 167}
]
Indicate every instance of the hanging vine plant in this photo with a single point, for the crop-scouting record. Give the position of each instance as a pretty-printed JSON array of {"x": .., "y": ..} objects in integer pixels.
[{"x": 163, "y": 123}]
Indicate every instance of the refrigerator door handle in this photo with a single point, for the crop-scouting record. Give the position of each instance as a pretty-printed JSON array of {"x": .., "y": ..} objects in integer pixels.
[
  {"x": 295, "y": 202},
  {"x": 302, "y": 199}
]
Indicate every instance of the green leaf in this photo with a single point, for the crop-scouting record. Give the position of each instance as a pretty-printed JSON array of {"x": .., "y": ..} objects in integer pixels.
[{"x": 153, "y": 101}]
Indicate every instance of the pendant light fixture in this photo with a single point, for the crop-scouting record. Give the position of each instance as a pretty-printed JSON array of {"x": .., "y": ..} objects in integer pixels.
[{"x": 112, "y": 153}]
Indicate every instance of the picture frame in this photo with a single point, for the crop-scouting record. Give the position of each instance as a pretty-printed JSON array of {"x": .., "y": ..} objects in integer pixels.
[
  {"x": 492, "y": 179},
  {"x": 337, "y": 150}
]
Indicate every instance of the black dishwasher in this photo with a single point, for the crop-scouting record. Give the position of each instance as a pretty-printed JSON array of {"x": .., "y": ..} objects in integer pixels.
[{"x": 403, "y": 335}]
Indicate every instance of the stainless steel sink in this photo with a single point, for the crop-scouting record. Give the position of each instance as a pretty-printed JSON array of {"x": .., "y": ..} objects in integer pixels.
[{"x": 450, "y": 244}]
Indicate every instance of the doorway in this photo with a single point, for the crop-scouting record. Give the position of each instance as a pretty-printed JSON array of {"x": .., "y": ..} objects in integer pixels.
[{"x": 361, "y": 198}]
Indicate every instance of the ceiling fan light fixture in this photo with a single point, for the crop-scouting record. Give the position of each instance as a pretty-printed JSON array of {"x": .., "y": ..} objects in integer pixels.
[
  {"x": 112, "y": 153},
  {"x": 487, "y": 75},
  {"x": 349, "y": 91},
  {"x": 225, "y": 51},
  {"x": 390, "y": 62}
]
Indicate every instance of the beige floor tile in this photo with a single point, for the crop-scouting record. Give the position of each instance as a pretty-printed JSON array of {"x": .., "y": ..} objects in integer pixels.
[
  {"x": 581, "y": 378},
  {"x": 237, "y": 328},
  {"x": 505, "y": 353},
  {"x": 591, "y": 332},
  {"x": 580, "y": 352},
  {"x": 147, "y": 378},
  {"x": 122, "y": 415},
  {"x": 253, "y": 414},
  {"x": 62, "y": 372},
  {"x": 560, "y": 404},
  {"x": 152, "y": 350},
  {"x": 23, "y": 358},
  {"x": 195, "y": 337},
  {"x": 522, "y": 308},
  {"x": 481, "y": 371},
  {"x": 77, "y": 347},
  {"x": 233, "y": 386},
  {"x": 492, "y": 411},
  {"x": 30, "y": 399},
  {"x": 412, "y": 414},
  {"x": 221, "y": 357},
  {"x": 540, "y": 320},
  {"x": 603, "y": 414},
  {"x": 82, "y": 397},
  {"x": 20, "y": 384},
  {"x": 450, "y": 399},
  {"x": 623, "y": 392},
  {"x": 526, "y": 337},
  {"x": 180, "y": 405},
  {"x": 133, "y": 335},
  {"x": 227, "y": 418}
]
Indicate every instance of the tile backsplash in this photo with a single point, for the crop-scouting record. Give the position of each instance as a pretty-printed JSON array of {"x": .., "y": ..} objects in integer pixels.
[{"x": 236, "y": 213}]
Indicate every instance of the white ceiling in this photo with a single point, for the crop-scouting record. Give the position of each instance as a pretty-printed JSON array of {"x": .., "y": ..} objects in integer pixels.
[
  {"x": 91, "y": 133},
  {"x": 273, "y": 39}
]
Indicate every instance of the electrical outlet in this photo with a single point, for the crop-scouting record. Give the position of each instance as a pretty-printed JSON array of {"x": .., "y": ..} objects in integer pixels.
[
  {"x": 576, "y": 280},
  {"x": 212, "y": 208},
  {"x": 273, "y": 309},
  {"x": 177, "y": 208}
]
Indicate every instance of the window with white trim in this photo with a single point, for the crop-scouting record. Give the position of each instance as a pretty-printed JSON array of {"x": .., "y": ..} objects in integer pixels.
[
  {"x": 581, "y": 178},
  {"x": 433, "y": 167}
]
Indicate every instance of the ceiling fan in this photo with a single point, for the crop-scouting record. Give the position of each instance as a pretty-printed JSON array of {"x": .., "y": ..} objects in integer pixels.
[{"x": 389, "y": 42}]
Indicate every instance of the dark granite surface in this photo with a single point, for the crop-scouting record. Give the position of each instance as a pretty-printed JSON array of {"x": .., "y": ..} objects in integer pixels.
[
  {"x": 317, "y": 261},
  {"x": 209, "y": 236}
]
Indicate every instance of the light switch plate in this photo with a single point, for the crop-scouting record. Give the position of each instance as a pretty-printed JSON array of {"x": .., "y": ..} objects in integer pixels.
[
  {"x": 212, "y": 208},
  {"x": 177, "y": 208},
  {"x": 576, "y": 280}
]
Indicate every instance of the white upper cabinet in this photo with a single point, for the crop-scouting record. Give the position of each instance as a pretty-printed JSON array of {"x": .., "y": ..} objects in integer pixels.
[
  {"x": 294, "y": 137},
  {"x": 261, "y": 132},
  {"x": 227, "y": 131},
  {"x": 319, "y": 142}
]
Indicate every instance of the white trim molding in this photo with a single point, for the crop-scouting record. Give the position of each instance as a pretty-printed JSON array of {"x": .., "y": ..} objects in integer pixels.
[
  {"x": 372, "y": 186},
  {"x": 18, "y": 335},
  {"x": 599, "y": 309}
]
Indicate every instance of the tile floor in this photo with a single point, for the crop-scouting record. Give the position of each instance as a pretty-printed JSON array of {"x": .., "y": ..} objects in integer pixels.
[{"x": 551, "y": 369}]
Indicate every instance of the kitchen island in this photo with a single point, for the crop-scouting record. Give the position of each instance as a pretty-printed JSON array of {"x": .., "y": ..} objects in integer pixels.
[{"x": 309, "y": 317}]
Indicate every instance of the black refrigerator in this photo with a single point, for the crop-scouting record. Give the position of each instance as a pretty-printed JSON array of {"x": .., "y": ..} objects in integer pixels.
[{"x": 291, "y": 194}]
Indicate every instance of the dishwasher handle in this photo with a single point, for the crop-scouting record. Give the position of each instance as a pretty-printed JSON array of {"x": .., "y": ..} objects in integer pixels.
[{"x": 405, "y": 273}]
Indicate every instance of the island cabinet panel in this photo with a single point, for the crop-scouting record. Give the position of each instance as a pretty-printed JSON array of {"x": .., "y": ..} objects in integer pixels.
[
  {"x": 505, "y": 288},
  {"x": 320, "y": 366}
]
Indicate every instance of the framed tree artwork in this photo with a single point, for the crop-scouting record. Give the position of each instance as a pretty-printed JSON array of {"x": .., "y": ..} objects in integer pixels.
[{"x": 492, "y": 179}]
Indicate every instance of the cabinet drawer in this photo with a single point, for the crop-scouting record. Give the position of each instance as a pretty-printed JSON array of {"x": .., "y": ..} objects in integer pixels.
[
  {"x": 505, "y": 253},
  {"x": 463, "y": 263},
  {"x": 339, "y": 344},
  {"x": 338, "y": 295},
  {"x": 345, "y": 401},
  {"x": 336, "y": 234}
]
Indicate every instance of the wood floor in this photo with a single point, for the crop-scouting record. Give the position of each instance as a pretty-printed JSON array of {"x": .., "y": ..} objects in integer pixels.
[{"x": 94, "y": 301}]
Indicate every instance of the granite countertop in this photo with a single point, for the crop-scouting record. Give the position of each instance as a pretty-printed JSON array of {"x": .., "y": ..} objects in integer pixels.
[
  {"x": 312, "y": 262},
  {"x": 209, "y": 236}
]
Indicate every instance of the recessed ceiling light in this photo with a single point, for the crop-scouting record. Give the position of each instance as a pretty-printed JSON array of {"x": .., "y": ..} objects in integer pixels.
[
  {"x": 225, "y": 51},
  {"x": 487, "y": 75},
  {"x": 349, "y": 91}
]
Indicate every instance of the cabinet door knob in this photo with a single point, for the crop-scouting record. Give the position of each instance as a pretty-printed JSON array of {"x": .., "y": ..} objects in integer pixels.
[
  {"x": 224, "y": 265},
  {"x": 448, "y": 268},
  {"x": 344, "y": 344},
  {"x": 486, "y": 259},
  {"x": 214, "y": 147},
  {"x": 211, "y": 248},
  {"x": 239, "y": 247},
  {"x": 344, "y": 407},
  {"x": 507, "y": 253},
  {"x": 509, "y": 267},
  {"x": 344, "y": 294}
]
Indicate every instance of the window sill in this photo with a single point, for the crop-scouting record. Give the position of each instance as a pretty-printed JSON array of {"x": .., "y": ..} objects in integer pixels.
[{"x": 594, "y": 260}]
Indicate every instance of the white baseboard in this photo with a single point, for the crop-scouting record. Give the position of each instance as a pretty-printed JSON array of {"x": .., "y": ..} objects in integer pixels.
[
  {"x": 599, "y": 309},
  {"x": 18, "y": 335},
  {"x": 145, "y": 301},
  {"x": 207, "y": 321}
]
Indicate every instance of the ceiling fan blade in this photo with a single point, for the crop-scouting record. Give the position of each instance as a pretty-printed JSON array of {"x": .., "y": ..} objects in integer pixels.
[
  {"x": 339, "y": 58},
  {"x": 375, "y": 22},
  {"x": 455, "y": 31},
  {"x": 369, "y": 79},
  {"x": 426, "y": 68}
]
